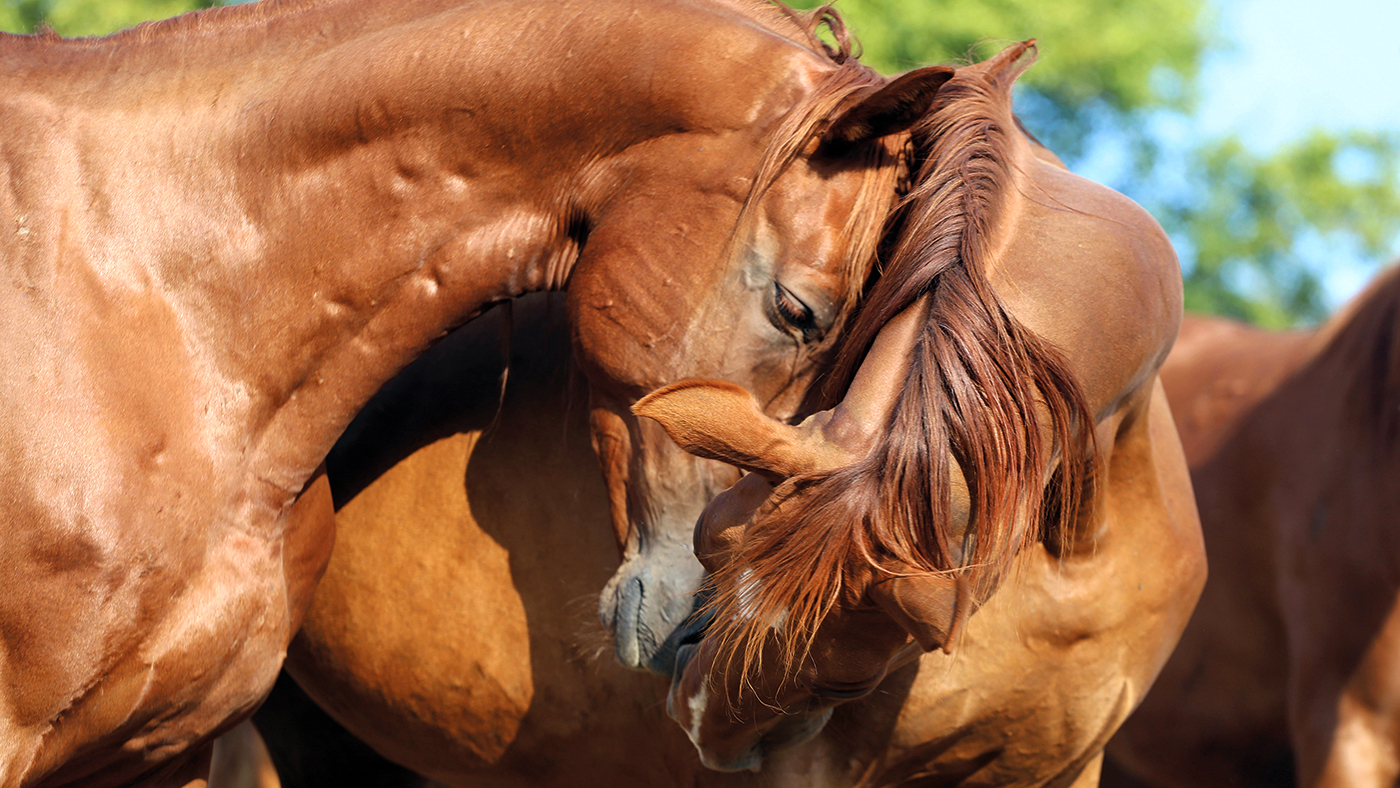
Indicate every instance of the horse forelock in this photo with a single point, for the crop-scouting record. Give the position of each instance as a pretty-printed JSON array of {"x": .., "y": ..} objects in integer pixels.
[
  {"x": 802, "y": 124},
  {"x": 971, "y": 395}
]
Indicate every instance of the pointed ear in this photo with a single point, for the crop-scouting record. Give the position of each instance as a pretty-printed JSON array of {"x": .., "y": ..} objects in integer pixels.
[
  {"x": 722, "y": 421},
  {"x": 930, "y": 607},
  {"x": 888, "y": 110}
]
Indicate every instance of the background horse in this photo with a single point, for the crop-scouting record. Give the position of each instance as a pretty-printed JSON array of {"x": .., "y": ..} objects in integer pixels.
[
  {"x": 1287, "y": 673},
  {"x": 230, "y": 229},
  {"x": 1013, "y": 343}
]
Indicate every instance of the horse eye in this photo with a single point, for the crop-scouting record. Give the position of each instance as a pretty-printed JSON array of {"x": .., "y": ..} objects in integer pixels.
[{"x": 795, "y": 313}]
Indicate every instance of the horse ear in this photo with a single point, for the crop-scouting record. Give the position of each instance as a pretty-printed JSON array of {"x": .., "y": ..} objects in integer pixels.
[
  {"x": 930, "y": 607},
  {"x": 722, "y": 421},
  {"x": 890, "y": 109}
]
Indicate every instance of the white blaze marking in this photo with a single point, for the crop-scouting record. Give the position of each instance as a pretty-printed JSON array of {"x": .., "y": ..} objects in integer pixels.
[{"x": 697, "y": 712}]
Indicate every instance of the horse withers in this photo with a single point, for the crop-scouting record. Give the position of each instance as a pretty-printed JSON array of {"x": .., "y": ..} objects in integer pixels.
[
  {"x": 1000, "y": 489},
  {"x": 230, "y": 229}
]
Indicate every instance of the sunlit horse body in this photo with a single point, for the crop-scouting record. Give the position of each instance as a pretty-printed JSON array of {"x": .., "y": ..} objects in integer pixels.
[
  {"x": 1289, "y": 673},
  {"x": 453, "y": 629},
  {"x": 1013, "y": 344},
  {"x": 228, "y": 230}
]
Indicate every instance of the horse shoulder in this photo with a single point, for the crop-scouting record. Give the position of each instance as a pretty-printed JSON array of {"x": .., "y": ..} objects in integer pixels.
[
  {"x": 1093, "y": 274},
  {"x": 1137, "y": 573}
]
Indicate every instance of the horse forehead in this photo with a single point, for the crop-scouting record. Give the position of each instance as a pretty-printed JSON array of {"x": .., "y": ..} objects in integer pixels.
[{"x": 809, "y": 211}]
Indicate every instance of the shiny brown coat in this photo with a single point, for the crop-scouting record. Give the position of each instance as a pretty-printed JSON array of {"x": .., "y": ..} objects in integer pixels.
[{"x": 226, "y": 231}]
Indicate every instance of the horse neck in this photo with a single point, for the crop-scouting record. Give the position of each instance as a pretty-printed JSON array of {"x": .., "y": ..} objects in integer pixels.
[
  {"x": 1355, "y": 361},
  {"x": 320, "y": 190}
]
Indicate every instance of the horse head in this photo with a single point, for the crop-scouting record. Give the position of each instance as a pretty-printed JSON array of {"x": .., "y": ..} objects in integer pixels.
[
  {"x": 977, "y": 391},
  {"x": 741, "y": 277}
]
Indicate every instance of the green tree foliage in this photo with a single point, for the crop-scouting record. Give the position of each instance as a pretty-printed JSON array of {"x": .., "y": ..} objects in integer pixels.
[
  {"x": 1254, "y": 231},
  {"x": 89, "y": 17},
  {"x": 1259, "y": 231},
  {"x": 1102, "y": 61}
]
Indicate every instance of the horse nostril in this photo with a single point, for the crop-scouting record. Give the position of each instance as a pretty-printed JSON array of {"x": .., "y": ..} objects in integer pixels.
[{"x": 627, "y": 624}]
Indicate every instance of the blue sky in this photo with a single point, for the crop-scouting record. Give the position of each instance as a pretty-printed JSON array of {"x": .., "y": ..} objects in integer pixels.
[
  {"x": 1299, "y": 64},
  {"x": 1295, "y": 65}
]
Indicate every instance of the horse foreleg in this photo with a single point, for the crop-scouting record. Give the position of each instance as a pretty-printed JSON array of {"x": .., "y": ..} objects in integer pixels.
[
  {"x": 1344, "y": 713},
  {"x": 242, "y": 761},
  {"x": 1360, "y": 752},
  {"x": 1088, "y": 776}
]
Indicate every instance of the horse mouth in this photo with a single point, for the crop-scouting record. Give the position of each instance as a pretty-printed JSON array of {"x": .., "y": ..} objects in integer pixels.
[{"x": 677, "y": 649}]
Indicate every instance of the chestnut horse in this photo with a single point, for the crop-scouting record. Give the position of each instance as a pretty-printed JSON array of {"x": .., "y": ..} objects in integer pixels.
[
  {"x": 1289, "y": 673},
  {"x": 452, "y": 630},
  {"x": 1002, "y": 481},
  {"x": 230, "y": 229}
]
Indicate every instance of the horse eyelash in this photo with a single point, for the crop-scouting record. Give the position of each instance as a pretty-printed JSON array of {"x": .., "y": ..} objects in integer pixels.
[{"x": 795, "y": 313}]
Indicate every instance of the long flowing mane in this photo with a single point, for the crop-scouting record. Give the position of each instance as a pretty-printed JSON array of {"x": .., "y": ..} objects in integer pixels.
[{"x": 979, "y": 382}]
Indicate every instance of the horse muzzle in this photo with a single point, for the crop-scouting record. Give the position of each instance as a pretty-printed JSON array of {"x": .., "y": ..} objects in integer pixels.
[{"x": 646, "y": 609}]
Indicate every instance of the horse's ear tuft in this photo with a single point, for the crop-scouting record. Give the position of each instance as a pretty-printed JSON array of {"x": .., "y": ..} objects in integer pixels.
[
  {"x": 888, "y": 110},
  {"x": 931, "y": 607}
]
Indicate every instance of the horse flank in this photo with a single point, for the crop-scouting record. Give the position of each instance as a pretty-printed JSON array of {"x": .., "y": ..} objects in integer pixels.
[{"x": 976, "y": 380}]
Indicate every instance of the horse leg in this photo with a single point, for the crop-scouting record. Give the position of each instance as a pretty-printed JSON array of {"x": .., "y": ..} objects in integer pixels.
[
  {"x": 1088, "y": 776},
  {"x": 1345, "y": 739},
  {"x": 1344, "y": 707},
  {"x": 241, "y": 761}
]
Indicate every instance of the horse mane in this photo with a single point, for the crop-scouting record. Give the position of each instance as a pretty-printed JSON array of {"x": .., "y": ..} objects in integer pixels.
[
  {"x": 979, "y": 383},
  {"x": 1360, "y": 348}
]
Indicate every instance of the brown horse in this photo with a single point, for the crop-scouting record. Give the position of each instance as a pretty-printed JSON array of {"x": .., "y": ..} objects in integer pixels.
[
  {"x": 1004, "y": 444},
  {"x": 453, "y": 629},
  {"x": 1287, "y": 674},
  {"x": 230, "y": 229}
]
